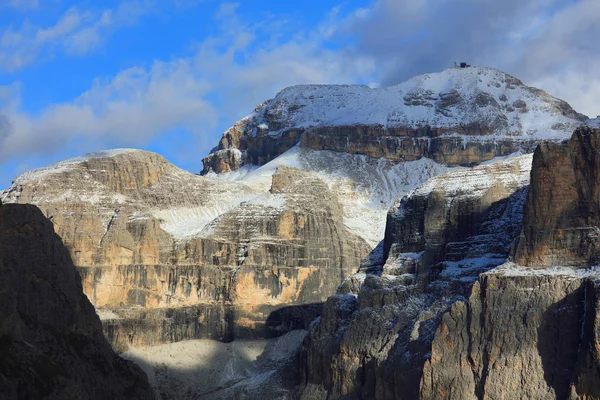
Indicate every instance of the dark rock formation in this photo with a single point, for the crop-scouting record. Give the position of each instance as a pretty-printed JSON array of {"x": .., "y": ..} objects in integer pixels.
[
  {"x": 562, "y": 217},
  {"x": 375, "y": 335},
  {"x": 51, "y": 342},
  {"x": 521, "y": 335}
]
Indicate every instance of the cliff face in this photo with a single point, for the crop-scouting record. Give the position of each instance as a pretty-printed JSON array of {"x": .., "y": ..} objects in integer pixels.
[
  {"x": 375, "y": 335},
  {"x": 563, "y": 213},
  {"x": 51, "y": 341},
  {"x": 522, "y": 334},
  {"x": 532, "y": 330},
  {"x": 456, "y": 117},
  {"x": 167, "y": 255}
]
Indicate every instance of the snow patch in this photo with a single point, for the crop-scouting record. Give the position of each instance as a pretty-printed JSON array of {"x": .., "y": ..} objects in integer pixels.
[
  {"x": 593, "y": 123},
  {"x": 65, "y": 165},
  {"x": 512, "y": 269},
  {"x": 451, "y": 98}
]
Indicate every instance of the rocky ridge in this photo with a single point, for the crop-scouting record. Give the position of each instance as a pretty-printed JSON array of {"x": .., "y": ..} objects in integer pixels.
[
  {"x": 439, "y": 238},
  {"x": 455, "y": 117},
  {"x": 51, "y": 341}
]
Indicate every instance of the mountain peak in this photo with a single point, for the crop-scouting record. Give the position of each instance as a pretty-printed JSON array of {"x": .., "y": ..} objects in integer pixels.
[{"x": 417, "y": 118}]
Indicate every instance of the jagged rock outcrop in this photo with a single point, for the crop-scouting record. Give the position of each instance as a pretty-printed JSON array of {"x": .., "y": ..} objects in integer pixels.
[
  {"x": 167, "y": 255},
  {"x": 532, "y": 331},
  {"x": 51, "y": 341},
  {"x": 562, "y": 217},
  {"x": 375, "y": 335},
  {"x": 456, "y": 117},
  {"x": 522, "y": 334}
]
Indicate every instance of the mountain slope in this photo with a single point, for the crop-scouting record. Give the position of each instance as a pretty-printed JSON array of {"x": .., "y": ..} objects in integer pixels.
[
  {"x": 457, "y": 116},
  {"x": 168, "y": 255}
]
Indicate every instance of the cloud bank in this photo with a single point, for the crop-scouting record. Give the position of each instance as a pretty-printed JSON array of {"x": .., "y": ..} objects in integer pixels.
[{"x": 550, "y": 44}]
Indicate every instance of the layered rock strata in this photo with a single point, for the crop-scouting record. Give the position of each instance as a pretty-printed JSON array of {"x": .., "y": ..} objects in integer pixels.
[
  {"x": 562, "y": 218},
  {"x": 455, "y": 117},
  {"x": 51, "y": 341},
  {"x": 166, "y": 255}
]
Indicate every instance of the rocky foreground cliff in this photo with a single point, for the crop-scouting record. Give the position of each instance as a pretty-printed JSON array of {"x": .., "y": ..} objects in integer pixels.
[
  {"x": 437, "y": 312},
  {"x": 51, "y": 341}
]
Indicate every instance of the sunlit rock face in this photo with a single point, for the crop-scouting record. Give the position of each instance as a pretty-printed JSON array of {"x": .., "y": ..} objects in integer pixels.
[
  {"x": 166, "y": 255},
  {"x": 455, "y": 117},
  {"x": 51, "y": 341}
]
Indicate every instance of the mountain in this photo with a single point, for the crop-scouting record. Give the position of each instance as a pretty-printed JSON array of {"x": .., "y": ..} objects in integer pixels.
[
  {"x": 455, "y": 117},
  {"x": 360, "y": 216},
  {"x": 166, "y": 255},
  {"x": 51, "y": 342}
]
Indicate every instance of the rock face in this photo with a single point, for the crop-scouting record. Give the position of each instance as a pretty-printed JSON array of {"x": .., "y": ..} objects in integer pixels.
[
  {"x": 522, "y": 334},
  {"x": 456, "y": 117},
  {"x": 532, "y": 331},
  {"x": 375, "y": 335},
  {"x": 51, "y": 341},
  {"x": 562, "y": 218},
  {"x": 167, "y": 255}
]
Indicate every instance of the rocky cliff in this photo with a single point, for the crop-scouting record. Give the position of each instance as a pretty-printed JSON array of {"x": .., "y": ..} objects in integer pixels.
[
  {"x": 435, "y": 311},
  {"x": 522, "y": 334},
  {"x": 455, "y": 117},
  {"x": 375, "y": 335},
  {"x": 166, "y": 255},
  {"x": 51, "y": 341},
  {"x": 563, "y": 214},
  {"x": 531, "y": 330}
]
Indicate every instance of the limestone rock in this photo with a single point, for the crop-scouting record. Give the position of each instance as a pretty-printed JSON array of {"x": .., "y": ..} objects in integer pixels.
[
  {"x": 562, "y": 217},
  {"x": 521, "y": 335},
  {"x": 166, "y": 255},
  {"x": 51, "y": 342},
  {"x": 375, "y": 335},
  {"x": 455, "y": 117}
]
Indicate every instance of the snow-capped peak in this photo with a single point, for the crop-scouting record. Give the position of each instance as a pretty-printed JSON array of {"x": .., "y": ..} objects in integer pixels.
[{"x": 448, "y": 99}]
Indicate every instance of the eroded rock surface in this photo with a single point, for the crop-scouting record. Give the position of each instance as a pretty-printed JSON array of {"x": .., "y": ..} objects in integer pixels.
[
  {"x": 375, "y": 335},
  {"x": 562, "y": 217},
  {"x": 522, "y": 334},
  {"x": 532, "y": 331},
  {"x": 167, "y": 255},
  {"x": 51, "y": 341},
  {"x": 455, "y": 117}
]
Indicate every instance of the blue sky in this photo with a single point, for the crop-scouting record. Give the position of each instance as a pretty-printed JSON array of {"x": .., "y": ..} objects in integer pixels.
[{"x": 170, "y": 75}]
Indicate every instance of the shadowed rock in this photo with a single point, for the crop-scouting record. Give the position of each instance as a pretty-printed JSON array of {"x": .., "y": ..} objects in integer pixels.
[{"x": 51, "y": 341}]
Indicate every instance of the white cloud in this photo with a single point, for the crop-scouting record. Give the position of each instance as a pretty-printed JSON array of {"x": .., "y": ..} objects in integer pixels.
[
  {"x": 234, "y": 70},
  {"x": 197, "y": 94},
  {"x": 76, "y": 32},
  {"x": 548, "y": 43}
]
